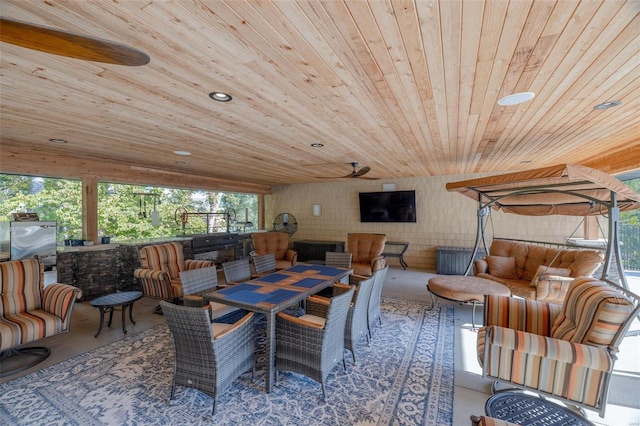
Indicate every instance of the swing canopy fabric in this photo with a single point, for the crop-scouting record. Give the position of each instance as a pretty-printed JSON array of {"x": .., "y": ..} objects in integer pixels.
[{"x": 565, "y": 189}]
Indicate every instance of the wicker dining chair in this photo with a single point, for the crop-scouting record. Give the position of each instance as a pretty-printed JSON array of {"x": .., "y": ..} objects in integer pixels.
[
  {"x": 357, "y": 324},
  {"x": 208, "y": 356},
  {"x": 374, "y": 315},
  {"x": 237, "y": 271},
  {"x": 264, "y": 263},
  {"x": 338, "y": 260},
  {"x": 195, "y": 283},
  {"x": 314, "y": 343}
]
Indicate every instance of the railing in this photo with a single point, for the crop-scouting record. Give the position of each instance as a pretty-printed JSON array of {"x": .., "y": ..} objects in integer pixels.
[{"x": 630, "y": 246}]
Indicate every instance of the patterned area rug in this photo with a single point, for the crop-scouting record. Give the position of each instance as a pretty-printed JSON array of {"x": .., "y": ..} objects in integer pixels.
[{"x": 404, "y": 377}]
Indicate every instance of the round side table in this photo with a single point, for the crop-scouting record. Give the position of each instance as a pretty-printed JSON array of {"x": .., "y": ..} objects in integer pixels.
[{"x": 110, "y": 301}]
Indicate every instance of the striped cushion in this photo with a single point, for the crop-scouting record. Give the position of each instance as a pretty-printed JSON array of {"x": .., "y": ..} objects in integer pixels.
[
  {"x": 26, "y": 327},
  {"x": 592, "y": 313},
  {"x": 526, "y": 315},
  {"x": 570, "y": 370},
  {"x": 17, "y": 292},
  {"x": 163, "y": 257}
]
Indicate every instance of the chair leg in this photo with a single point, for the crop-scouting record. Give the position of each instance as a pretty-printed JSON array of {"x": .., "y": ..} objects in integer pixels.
[{"x": 324, "y": 394}]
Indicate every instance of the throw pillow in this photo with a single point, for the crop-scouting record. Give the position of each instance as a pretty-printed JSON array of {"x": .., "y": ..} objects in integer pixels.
[
  {"x": 502, "y": 267},
  {"x": 548, "y": 270}
]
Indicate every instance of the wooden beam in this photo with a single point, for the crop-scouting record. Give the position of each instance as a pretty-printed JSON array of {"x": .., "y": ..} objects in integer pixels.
[
  {"x": 16, "y": 160},
  {"x": 617, "y": 162}
]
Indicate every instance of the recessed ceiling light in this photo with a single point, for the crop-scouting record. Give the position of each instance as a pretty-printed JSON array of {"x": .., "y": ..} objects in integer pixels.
[
  {"x": 317, "y": 145},
  {"x": 606, "y": 105},
  {"x": 516, "y": 98},
  {"x": 54, "y": 140},
  {"x": 220, "y": 96},
  {"x": 181, "y": 152},
  {"x": 180, "y": 162}
]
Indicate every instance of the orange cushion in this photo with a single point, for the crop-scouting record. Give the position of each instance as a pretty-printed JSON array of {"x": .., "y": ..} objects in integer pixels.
[{"x": 502, "y": 267}]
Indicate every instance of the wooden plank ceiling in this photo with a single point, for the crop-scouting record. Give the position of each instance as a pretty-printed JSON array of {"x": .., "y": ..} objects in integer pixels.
[{"x": 408, "y": 88}]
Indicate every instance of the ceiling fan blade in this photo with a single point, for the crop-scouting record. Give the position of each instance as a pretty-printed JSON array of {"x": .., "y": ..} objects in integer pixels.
[
  {"x": 68, "y": 44},
  {"x": 362, "y": 171}
]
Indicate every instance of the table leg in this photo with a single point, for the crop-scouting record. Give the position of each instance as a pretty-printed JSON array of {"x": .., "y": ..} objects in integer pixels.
[
  {"x": 101, "y": 320},
  {"x": 131, "y": 313},
  {"x": 124, "y": 310},
  {"x": 110, "y": 309},
  {"x": 403, "y": 263},
  {"x": 271, "y": 343}
]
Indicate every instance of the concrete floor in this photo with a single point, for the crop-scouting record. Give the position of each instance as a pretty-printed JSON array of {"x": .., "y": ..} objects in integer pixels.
[{"x": 471, "y": 390}]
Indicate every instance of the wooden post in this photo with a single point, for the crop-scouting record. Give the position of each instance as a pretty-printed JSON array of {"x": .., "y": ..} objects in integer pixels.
[
  {"x": 261, "y": 211},
  {"x": 90, "y": 209}
]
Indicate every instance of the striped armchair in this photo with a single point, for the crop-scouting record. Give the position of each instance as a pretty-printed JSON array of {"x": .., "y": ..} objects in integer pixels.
[
  {"x": 29, "y": 311},
  {"x": 564, "y": 351},
  {"x": 160, "y": 270}
]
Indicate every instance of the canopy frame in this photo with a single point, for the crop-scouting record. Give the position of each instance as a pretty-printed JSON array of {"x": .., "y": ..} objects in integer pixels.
[{"x": 584, "y": 188}]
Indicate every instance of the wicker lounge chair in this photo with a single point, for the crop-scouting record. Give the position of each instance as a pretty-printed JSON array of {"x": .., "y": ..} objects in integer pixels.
[
  {"x": 208, "y": 356},
  {"x": 313, "y": 343}
]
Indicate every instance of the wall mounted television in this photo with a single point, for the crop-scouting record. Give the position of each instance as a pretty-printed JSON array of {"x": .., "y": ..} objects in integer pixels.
[{"x": 388, "y": 206}]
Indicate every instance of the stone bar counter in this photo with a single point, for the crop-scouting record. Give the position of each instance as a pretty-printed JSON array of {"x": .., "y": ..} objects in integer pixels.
[{"x": 106, "y": 268}]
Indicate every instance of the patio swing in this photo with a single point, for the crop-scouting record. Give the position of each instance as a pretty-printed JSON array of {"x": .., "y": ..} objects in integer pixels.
[{"x": 566, "y": 189}]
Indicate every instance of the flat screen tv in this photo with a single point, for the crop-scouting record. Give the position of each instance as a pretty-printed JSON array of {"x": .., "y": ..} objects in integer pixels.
[{"x": 388, "y": 206}]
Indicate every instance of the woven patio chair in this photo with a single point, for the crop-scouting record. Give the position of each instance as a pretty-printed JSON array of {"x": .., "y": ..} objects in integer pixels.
[
  {"x": 357, "y": 325},
  {"x": 264, "y": 263},
  {"x": 208, "y": 356},
  {"x": 338, "y": 260},
  {"x": 374, "y": 315},
  {"x": 314, "y": 343},
  {"x": 237, "y": 271},
  {"x": 197, "y": 282}
]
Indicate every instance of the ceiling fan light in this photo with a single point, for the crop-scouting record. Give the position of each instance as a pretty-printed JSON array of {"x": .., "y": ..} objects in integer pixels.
[{"x": 516, "y": 98}]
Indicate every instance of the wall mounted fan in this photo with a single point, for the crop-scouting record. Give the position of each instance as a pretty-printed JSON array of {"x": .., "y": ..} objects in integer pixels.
[
  {"x": 69, "y": 44},
  {"x": 285, "y": 222}
]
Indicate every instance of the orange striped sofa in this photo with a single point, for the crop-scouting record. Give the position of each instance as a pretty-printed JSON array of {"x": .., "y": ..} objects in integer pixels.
[
  {"x": 29, "y": 311},
  {"x": 160, "y": 269},
  {"x": 564, "y": 351}
]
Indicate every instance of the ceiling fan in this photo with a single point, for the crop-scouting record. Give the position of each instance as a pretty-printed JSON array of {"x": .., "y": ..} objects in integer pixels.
[
  {"x": 64, "y": 43},
  {"x": 357, "y": 174}
]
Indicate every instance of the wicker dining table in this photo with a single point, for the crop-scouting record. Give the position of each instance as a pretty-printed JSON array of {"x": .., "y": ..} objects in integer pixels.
[{"x": 275, "y": 292}]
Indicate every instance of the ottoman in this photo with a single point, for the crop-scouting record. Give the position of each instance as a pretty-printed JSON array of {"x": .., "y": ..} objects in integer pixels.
[{"x": 465, "y": 289}]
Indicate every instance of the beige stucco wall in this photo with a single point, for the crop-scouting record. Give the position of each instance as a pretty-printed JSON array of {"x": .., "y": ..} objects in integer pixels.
[{"x": 443, "y": 218}]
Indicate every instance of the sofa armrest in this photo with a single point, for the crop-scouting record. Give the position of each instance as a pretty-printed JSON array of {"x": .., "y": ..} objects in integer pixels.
[
  {"x": 377, "y": 263},
  {"x": 190, "y": 264},
  {"x": 520, "y": 314},
  {"x": 480, "y": 266},
  {"x": 292, "y": 256},
  {"x": 552, "y": 288},
  {"x": 58, "y": 299}
]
